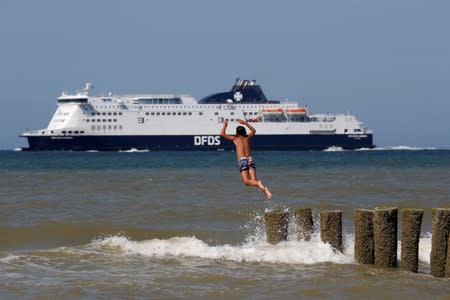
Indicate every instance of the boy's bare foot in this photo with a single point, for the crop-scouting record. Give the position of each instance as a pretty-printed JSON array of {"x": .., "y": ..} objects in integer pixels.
[
  {"x": 268, "y": 193},
  {"x": 264, "y": 189}
]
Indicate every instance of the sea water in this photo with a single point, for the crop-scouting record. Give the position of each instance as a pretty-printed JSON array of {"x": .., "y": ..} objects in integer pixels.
[{"x": 167, "y": 225}]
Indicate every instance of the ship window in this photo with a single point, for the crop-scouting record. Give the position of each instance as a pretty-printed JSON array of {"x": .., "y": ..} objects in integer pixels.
[
  {"x": 109, "y": 127},
  {"x": 115, "y": 126},
  {"x": 104, "y": 120},
  {"x": 163, "y": 113},
  {"x": 190, "y": 113},
  {"x": 81, "y": 131},
  {"x": 109, "y": 120},
  {"x": 104, "y": 127},
  {"x": 92, "y": 127},
  {"x": 200, "y": 113},
  {"x": 179, "y": 113},
  {"x": 98, "y": 114},
  {"x": 184, "y": 113},
  {"x": 99, "y": 120},
  {"x": 157, "y": 113},
  {"x": 109, "y": 114},
  {"x": 216, "y": 113},
  {"x": 99, "y": 127},
  {"x": 115, "y": 114},
  {"x": 87, "y": 120},
  {"x": 140, "y": 120},
  {"x": 232, "y": 113},
  {"x": 153, "y": 113},
  {"x": 64, "y": 132},
  {"x": 76, "y": 132},
  {"x": 115, "y": 120},
  {"x": 147, "y": 113},
  {"x": 120, "y": 127},
  {"x": 104, "y": 114},
  {"x": 120, "y": 114},
  {"x": 92, "y": 114},
  {"x": 70, "y": 131},
  {"x": 245, "y": 113},
  {"x": 220, "y": 119}
]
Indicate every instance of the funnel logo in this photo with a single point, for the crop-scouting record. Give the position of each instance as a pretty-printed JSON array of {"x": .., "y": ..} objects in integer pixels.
[{"x": 238, "y": 96}]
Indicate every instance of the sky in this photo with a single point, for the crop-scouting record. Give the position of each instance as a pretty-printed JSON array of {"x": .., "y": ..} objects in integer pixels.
[{"x": 386, "y": 62}]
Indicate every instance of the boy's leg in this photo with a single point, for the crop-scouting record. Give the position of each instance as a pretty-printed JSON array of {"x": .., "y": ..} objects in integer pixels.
[
  {"x": 261, "y": 186},
  {"x": 246, "y": 177}
]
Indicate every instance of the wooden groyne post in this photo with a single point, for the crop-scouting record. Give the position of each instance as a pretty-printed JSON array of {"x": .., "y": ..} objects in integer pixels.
[
  {"x": 276, "y": 226},
  {"x": 364, "y": 244},
  {"x": 411, "y": 223},
  {"x": 439, "y": 241},
  {"x": 305, "y": 223},
  {"x": 331, "y": 228},
  {"x": 385, "y": 236}
]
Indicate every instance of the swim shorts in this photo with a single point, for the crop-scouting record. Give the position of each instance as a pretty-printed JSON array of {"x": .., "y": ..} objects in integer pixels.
[{"x": 246, "y": 163}]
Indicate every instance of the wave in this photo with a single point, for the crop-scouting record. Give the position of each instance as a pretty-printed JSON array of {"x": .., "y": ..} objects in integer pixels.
[
  {"x": 179, "y": 247},
  {"x": 290, "y": 252},
  {"x": 405, "y": 148},
  {"x": 334, "y": 149},
  {"x": 399, "y": 148},
  {"x": 133, "y": 150}
]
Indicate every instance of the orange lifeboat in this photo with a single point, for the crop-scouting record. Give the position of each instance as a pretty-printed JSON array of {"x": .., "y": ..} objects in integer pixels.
[
  {"x": 295, "y": 112},
  {"x": 272, "y": 112}
]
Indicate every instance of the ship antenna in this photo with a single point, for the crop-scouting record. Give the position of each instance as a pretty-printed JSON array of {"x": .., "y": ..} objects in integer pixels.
[{"x": 87, "y": 87}]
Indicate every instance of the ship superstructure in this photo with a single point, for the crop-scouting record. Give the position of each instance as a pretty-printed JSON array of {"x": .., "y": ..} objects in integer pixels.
[{"x": 180, "y": 122}]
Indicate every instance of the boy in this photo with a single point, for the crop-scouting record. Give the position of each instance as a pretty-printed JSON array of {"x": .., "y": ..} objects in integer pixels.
[{"x": 244, "y": 154}]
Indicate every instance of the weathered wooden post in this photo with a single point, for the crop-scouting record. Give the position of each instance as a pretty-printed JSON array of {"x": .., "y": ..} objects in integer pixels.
[
  {"x": 276, "y": 226},
  {"x": 439, "y": 240},
  {"x": 411, "y": 223},
  {"x": 364, "y": 245},
  {"x": 385, "y": 236},
  {"x": 447, "y": 261},
  {"x": 305, "y": 223},
  {"x": 331, "y": 228}
]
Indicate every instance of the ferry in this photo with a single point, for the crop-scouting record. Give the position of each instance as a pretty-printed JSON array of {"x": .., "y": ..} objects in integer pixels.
[{"x": 179, "y": 122}]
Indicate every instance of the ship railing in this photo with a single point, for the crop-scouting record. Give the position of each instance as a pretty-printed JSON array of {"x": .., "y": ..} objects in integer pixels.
[{"x": 32, "y": 132}]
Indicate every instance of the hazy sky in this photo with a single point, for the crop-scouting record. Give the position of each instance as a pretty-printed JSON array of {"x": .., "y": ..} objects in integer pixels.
[{"x": 387, "y": 62}]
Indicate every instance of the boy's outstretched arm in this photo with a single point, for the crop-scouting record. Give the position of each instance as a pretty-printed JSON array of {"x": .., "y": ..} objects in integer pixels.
[
  {"x": 252, "y": 129},
  {"x": 223, "y": 131}
]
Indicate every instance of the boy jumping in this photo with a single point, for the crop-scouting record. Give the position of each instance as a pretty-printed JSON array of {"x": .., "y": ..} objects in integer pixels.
[{"x": 244, "y": 154}]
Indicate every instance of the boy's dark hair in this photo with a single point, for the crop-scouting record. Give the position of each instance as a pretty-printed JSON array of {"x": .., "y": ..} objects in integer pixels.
[{"x": 240, "y": 130}]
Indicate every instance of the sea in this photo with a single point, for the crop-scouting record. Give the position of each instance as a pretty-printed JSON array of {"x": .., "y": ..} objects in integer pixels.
[{"x": 182, "y": 225}]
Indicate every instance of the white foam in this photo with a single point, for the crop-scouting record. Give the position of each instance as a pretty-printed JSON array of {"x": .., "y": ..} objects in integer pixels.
[
  {"x": 253, "y": 250},
  {"x": 291, "y": 252},
  {"x": 133, "y": 150},
  {"x": 17, "y": 149},
  {"x": 334, "y": 149},
  {"x": 404, "y": 148},
  {"x": 425, "y": 248}
]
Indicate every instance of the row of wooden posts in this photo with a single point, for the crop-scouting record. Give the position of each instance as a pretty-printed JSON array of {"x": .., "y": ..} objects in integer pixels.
[{"x": 375, "y": 235}]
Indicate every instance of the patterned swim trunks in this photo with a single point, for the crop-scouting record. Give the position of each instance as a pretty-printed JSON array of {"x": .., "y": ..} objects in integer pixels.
[{"x": 246, "y": 163}]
